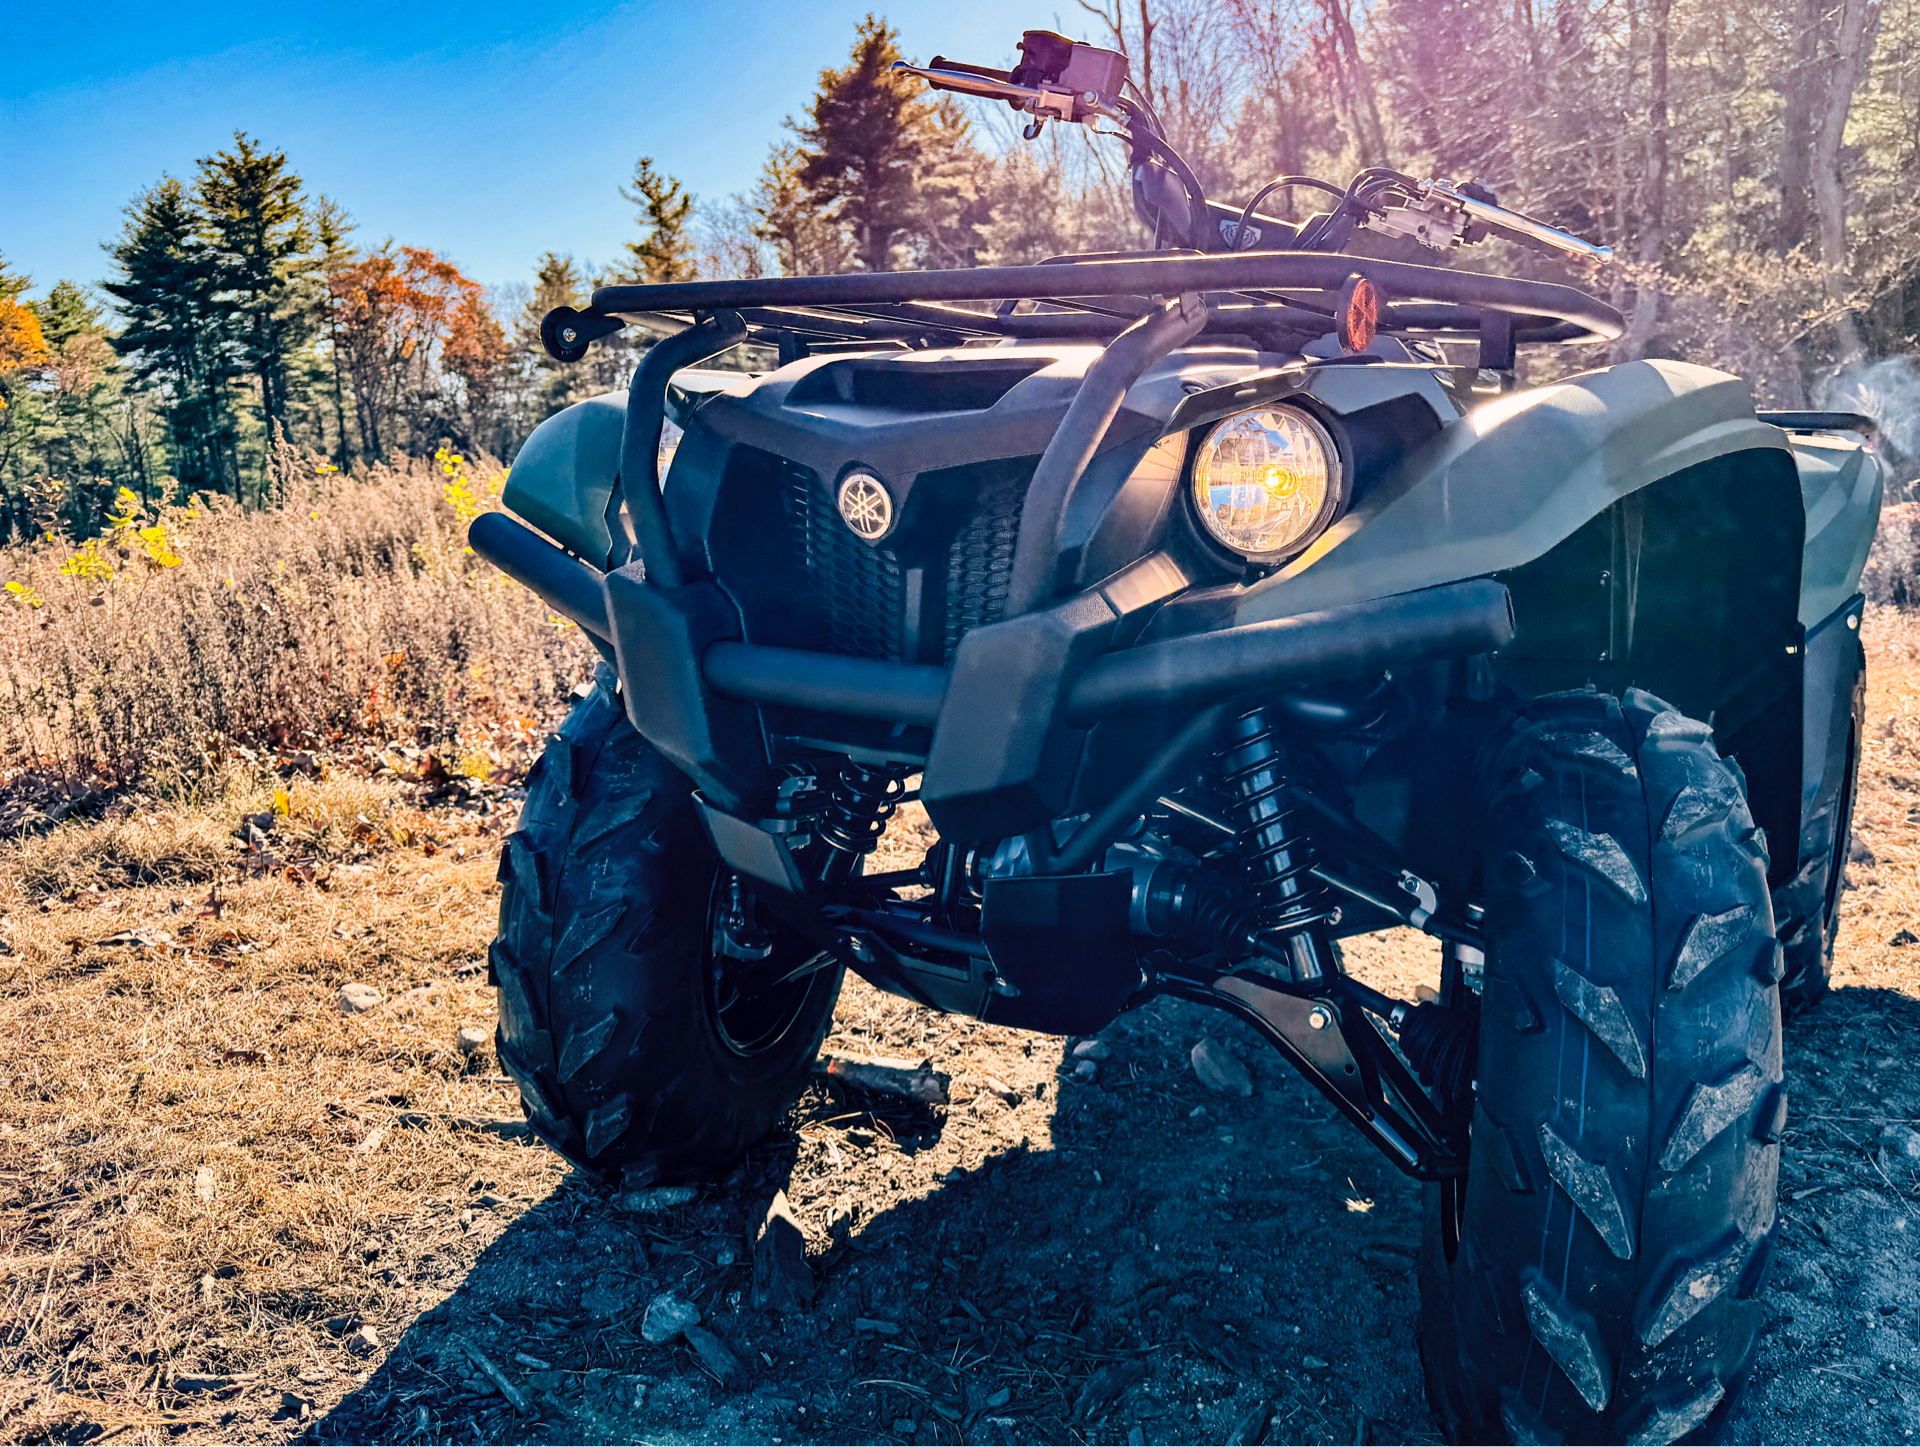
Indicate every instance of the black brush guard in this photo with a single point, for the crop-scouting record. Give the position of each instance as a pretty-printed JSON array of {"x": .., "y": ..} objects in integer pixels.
[{"x": 1458, "y": 619}]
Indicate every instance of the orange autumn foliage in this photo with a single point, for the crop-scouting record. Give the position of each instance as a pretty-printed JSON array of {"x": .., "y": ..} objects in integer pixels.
[
  {"x": 401, "y": 314},
  {"x": 22, "y": 343}
]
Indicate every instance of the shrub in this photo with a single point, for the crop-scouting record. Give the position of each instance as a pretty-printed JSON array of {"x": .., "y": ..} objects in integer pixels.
[
  {"x": 350, "y": 609},
  {"x": 1893, "y": 567}
]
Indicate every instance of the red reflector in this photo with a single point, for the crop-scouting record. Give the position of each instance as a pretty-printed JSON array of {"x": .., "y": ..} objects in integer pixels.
[{"x": 1359, "y": 314}]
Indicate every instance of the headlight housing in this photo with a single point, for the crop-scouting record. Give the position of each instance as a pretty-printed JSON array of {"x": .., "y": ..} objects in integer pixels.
[{"x": 1267, "y": 481}]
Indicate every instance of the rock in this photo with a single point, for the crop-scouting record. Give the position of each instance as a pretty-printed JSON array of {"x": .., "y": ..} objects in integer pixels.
[
  {"x": 860, "y": 1136},
  {"x": 203, "y": 1183},
  {"x": 471, "y": 1040},
  {"x": 667, "y": 1317},
  {"x": 714, "y": 1355},
  {"x": 1219, "y": 1069},
  {"x": 1093, "y": 1050},
  {"x": 356, "y": 997},
  {"x": 725, "y": 1257},
  {"x": 1858, "y": 853},
  {"x": 1313, "y": 1364},
  {"x": 782, "y": 1280},
  {"x": 651, "y": 1200},
  {"x": 1901, "y": 1140},
  {"x": 1086, "y": 1072},
  {"x": 903, "y": 1426},
  {"x": 364, "y": 1343}
]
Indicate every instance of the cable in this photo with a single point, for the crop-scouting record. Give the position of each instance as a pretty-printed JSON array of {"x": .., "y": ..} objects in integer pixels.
[
  {"x": 1360, "y": 194},
  {"x": 1267, "y": 190}
]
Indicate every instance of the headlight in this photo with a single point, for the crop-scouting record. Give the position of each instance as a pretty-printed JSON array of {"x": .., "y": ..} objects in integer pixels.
[{"x": 1266, "y": 482}]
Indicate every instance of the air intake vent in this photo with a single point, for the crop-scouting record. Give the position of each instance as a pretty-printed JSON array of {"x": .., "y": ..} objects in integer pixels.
[{"x": 904, "y": 386}]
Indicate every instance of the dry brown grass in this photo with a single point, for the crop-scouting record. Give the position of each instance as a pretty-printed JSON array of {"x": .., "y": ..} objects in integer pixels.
[
  {"x": 352, "y": 610},
  {"x": 1883, "y": 894},
  {"x": 207, "y": 1160}
]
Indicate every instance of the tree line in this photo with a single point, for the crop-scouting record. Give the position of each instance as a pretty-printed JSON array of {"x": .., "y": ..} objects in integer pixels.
[{"x": 1753, "y": 165}]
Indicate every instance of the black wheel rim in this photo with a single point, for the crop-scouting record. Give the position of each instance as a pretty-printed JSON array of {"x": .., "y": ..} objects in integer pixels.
[{"x": 754, "y": 1005}]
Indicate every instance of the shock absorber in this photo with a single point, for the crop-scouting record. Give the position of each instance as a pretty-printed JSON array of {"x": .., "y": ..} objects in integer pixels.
[
  {"x": 864, "y": 798},
  {"x": 1289, "y": 902}
]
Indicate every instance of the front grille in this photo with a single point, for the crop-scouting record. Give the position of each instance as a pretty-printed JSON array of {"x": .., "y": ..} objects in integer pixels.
[
  {"x": 862, "y": 594},
  {"x": 858, "y": 588},
  {"x": 980, "y": 559}
]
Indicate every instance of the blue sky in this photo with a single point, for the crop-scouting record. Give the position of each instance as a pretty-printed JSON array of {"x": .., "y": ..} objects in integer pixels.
[{"x": 487, "y": 131}]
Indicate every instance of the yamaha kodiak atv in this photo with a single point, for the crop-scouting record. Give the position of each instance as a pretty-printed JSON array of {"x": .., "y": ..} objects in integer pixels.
[{"x": 1214, "y": 615}]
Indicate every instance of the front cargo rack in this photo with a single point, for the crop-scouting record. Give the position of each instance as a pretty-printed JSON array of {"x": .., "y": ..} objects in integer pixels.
[{"x": 1280, "y": 299}]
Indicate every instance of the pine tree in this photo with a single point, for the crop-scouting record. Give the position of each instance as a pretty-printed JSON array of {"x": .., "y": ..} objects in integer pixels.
[
  {"x": 331, "y": 226},
  {"x": 91, "y": 433},
  {"x": 557, "y": 283},
  {"x": 870, "y": 143},
  {"x": 806, "y": 240},
  {"x": 173, "y": 334},
  {"x": 256, "y": 226},
  {"x": 664, "y": 251}
]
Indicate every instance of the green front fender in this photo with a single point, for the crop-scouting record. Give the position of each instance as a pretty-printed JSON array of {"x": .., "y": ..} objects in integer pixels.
[{"x": 1517, "y": 476}]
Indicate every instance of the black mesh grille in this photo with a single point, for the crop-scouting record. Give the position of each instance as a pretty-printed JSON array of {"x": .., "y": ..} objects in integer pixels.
[
  {"x": 860, "y": 592},
  {"x": 980, "y": 559},
  {"x": 858, "y": 587}
]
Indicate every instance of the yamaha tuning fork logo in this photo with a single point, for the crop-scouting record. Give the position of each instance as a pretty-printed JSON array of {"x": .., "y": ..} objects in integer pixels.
[{"x": 866, "y": 505}]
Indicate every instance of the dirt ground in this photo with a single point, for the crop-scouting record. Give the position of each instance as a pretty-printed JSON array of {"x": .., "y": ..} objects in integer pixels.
[{"x": 230, "y": 1211}]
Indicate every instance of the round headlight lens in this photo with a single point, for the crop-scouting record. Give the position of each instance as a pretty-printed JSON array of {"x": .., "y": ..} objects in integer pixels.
[{"x": 1263, "y": 481}]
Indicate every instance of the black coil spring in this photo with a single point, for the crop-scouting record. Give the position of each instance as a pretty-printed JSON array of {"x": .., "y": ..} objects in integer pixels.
[
  {"x": 1277, "y": 851},
  {"x": 864, "y": 798}
]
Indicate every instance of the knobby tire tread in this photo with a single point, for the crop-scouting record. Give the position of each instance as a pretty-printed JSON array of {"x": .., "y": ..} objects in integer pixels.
[
  {"x": 604, "y": 1020},
  {"x": 1619, "y": 1212}
]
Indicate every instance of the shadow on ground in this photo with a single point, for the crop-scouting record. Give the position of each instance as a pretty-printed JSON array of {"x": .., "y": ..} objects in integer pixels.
[{"x": 1167, "y": 1265}]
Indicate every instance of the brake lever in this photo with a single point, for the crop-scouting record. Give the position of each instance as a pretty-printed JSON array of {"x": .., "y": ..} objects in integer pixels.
[
  {"x": 1043, "y": 102},
  {"x": 1513, "y": 223}
]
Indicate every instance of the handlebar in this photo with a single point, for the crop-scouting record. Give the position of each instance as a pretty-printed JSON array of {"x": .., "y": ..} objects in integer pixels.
[{"x": 1060, "y": 79}]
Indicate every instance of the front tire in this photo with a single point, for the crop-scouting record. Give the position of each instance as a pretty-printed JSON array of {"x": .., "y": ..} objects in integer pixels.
[
  {"x": 644, "y": 1051},
  {"x": 1618, "y": 1214}
]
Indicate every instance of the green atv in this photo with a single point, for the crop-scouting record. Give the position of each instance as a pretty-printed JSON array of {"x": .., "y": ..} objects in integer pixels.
[{"x": 1214, "y": 614}]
